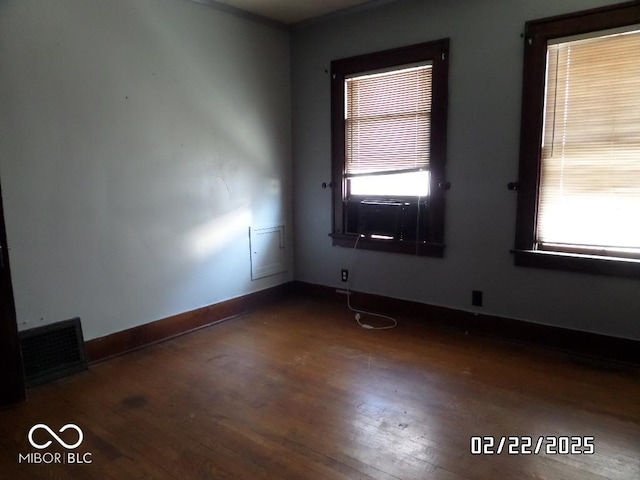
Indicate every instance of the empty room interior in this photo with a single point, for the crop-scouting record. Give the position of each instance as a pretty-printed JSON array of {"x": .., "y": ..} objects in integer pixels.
[{"x": 385, "y": 239}]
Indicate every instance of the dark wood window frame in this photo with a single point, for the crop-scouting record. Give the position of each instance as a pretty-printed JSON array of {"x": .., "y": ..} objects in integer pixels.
[
  {"x": 537, "y": 35},
  {"x": 437, "y": 52}
]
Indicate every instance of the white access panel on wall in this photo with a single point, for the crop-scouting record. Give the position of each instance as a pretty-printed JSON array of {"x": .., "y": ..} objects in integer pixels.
[{"x": 267, "y": 251}]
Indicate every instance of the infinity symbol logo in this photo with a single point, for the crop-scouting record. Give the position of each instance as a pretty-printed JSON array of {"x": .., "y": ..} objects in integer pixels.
[{"x": 58, "y": 439}]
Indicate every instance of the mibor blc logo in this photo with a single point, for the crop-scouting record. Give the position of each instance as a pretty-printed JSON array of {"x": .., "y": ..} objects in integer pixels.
[{"x": 66, "y": 458}]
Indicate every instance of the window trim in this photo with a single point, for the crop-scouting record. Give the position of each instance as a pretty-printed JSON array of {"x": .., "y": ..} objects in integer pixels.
[
  {"x": 536, "y": 37},
  {"x": 438, "y": 53}
]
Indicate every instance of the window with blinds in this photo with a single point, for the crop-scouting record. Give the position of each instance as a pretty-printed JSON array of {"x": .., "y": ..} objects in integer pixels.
[
  {"x": 579, "y": 172},
  {"x": 589, "y": 192},
  {"x": 387, "y": 129},
  {"x": 590, "y": 167},
  {"x": 389, "y": 149}
]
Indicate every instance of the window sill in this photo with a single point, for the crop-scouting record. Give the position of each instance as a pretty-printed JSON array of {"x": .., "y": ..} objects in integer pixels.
[
  {"x": 574, "y": 262},
  {"x": 424, "y": 249}
]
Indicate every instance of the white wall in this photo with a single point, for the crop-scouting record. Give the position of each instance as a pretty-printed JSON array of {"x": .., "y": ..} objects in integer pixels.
[
  {"x": 483, "y": 141},
  {"x": 139, "y": 141}
]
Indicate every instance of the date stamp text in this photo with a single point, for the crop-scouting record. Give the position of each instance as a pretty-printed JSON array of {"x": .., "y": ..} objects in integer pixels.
[{"x": 541, "y": 445}]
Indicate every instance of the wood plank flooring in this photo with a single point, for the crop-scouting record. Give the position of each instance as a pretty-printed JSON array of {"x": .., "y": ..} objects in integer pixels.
[{"x": 298, "y": 391}]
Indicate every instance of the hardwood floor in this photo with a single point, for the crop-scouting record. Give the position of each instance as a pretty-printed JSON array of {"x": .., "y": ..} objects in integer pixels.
[{"x": 298, "y": 391}]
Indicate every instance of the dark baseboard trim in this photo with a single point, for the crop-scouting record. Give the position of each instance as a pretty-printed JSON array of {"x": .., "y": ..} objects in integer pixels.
[
  {"x": 141, "y": 336},
  {"x": 571, "y": 341}
]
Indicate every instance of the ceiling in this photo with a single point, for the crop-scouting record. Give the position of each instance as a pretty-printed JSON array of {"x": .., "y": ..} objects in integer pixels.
[{"x": 291, "y": 11}]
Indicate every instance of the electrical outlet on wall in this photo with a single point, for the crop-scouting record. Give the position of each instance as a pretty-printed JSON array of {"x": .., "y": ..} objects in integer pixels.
[
  {"x": 476, "y": 298},
  {"x": 344, "y": 275}
]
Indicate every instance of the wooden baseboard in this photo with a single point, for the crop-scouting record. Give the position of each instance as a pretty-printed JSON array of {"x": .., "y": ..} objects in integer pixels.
[
  {"x": 571, "y": 341},
  {"x": 141, "y": 336},
  {"x": 557, "y": 338}
]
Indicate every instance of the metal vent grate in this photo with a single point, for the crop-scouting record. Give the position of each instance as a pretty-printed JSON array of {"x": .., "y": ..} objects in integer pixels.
[{"x": 52, "y": 351}]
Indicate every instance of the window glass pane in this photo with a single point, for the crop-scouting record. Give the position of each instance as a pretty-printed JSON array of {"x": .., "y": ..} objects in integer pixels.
[
  {"x": 590, "y": 166},
  {"x": 414, "y": 184},
  {"x": 388, "y": 117}
]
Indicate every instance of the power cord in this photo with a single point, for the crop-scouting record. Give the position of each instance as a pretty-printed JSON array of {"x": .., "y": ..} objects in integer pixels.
[{"x": 358, "y": 312}]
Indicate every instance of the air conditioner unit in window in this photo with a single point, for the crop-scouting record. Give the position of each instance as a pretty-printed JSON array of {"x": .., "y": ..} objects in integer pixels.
[
  {"x": 381, "y": 219},
  {"x": 387, "y": 219}
]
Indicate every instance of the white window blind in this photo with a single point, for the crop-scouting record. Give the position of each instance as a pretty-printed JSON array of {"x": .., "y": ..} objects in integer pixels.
[
  {"x": 590, "y": 167},
  {"x": 388, "y": 121}
]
